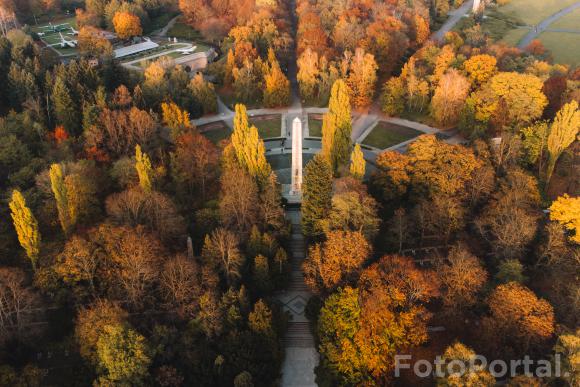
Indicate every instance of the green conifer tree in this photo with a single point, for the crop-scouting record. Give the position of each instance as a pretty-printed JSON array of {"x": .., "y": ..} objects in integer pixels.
[
  {"x": 64, "y": 107},
  {"x": 316, "y": 195},
  {"x": 26, "y": 227}
]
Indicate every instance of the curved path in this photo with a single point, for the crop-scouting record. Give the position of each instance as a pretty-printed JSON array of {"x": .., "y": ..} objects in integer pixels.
[
  {"x": 453, "y": 20},
  {"x": 543, "y": 25}
]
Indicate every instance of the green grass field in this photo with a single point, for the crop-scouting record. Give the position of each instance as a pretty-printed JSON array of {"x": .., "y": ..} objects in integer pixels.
[
  {"x": 570, "y": 21},
  {"x": 565, "y": 47},
  {"x": 180, "y": 30},
  {"x": 534, "y": 11},
  {"x": 216, "y": 134},
  {"x": 386, "y": 134},
  {"x": 268, "y": 128},
  {"x": 314, "y": 127},
  {"x": 159, "y": 22},
  {"x": 54, "y": 37}
]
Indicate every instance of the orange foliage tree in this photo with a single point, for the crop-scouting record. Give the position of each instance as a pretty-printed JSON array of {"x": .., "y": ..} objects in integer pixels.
[{"x": 127, "y": 25}]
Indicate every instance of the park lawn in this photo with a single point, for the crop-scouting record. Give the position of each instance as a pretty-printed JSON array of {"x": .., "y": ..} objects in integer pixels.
[
  {"x": 386, "y": 134},
  {"x": 268, "y": 128},
  {"x": 570, "y": 21},
  {"x": 314, "y": 127},
  {"x": 565, "y": 47},
  {"x": 181, "y": 30},
  {"x": 533, "y": 12},
  {"x": 513, "y": 37},
  {"x": 57, "y": 19},
  {"x": 216, "y": 134}
]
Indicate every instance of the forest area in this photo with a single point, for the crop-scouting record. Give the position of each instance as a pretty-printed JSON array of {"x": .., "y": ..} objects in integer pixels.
[{"x": 136, "y": 251}]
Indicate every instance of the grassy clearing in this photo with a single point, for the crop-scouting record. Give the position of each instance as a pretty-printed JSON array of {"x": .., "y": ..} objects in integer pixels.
[
  {"x": 513, "y": 37},
  {"x": 314, "y": 127},
  {"x": 229, "y": 99},
  {"x": 386, "y": 134},
  {"x": 565, "y": 47},
  {"x": 181, "y": 30},
  {"x": 534, "y": 11},
  {"x": 216, "y": 132},
  {"x": 570, "y": 21},
  {"x": 159, "y": 22},
  {"x": 268, "y": 128}
]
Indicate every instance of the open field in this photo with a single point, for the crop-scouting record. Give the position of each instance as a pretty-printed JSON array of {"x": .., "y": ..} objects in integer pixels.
[
  {"x": 570, "y": 21},
  {"x": 386, "y": 134},
  {"x": 215, "y": 132},
  {"x": 268, "y": 126},
  {"x": 159, "y": 22},
  {"x": 565, "y": 47},
  {"x": 532, "y": 12},
  {"x": 50, "y": 37}
]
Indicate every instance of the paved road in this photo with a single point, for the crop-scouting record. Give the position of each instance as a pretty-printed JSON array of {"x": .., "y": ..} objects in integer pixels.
[
  {"x": 543, "y": 26},
  {"x": 453, "y": 20}
]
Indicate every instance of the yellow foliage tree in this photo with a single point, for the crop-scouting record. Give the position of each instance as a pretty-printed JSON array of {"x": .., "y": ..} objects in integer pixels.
[
  {"x": 566, "y": 211},
  {"x": 175, "y": 118},
  {"x": 563, "y": 132},
  {"x": 66, "y": 217},
  {"x": 144, "y": 169},
  {"x": 337, "y": 126},
  {"x": 480, "y": 68},
  {"x": 127, "y": 25},
  {"x": 26, "y": 227},
  {"x": 249, "y": 147},
  {"x": 357, "y": 163}
]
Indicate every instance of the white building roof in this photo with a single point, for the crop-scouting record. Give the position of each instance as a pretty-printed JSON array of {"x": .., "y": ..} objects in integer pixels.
[{"x": 135, "y": 48}]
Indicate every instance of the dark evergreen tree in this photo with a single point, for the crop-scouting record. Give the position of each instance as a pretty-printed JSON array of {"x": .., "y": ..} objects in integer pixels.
[{"x": 317, "y": 195}]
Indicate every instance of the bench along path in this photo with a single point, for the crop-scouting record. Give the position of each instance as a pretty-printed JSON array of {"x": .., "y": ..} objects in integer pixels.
[{"x": 301, "y": 355}]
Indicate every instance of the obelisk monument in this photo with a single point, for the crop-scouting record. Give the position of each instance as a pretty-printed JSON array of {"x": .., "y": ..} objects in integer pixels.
[{"x": 296, "y": 187}]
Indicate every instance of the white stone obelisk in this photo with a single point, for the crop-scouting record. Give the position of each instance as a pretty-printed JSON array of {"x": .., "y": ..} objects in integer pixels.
[
  {"x": 476, "y": 5},
  {"x": 296, "y": 187}
]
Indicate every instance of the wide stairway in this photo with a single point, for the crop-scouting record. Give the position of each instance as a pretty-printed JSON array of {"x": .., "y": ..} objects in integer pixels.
[{"x": 301, "y": 355}]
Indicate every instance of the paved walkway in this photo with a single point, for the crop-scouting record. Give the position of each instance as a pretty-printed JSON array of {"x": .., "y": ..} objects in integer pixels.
[
  {"x": 453, "y": 19},
  {"x": 543, "y": 25},
  {"x": 301, "y": 356},
  {"x": 163, "y": 31}
]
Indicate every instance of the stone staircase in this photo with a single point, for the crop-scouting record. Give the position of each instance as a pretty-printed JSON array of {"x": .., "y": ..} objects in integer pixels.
[{"x": 301, "y": 355}]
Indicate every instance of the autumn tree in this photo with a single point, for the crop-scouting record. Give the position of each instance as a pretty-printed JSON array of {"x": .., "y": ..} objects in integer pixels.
[
  {"x": 568, "y": 346},
  {"x": 153, "y": 210},
  {"x": 462, "y": 277},
  {"x": 337, "y": 127},
  {"x": 238, "y": 199},
  {"x": 194, "y": 163},
  {"x": 362, "y": 78},
  {"x": 355, "y": 326},
  {"x": 222, "y": 252},
  {"x": 66, "y": 212},
  {"x": 175, "y": 118},
  {"x": 316, "y": 195},
  {"x": 78, "y": 264},
  {"x": 144, "y": 170},
  {"x": 90, "y": 324},
  {"x": 276, "y": 85},
  {"x": 393, "y": 96},
  {"x": 566, "y": 211},
  {"x": 449, "y": 97},
  {"x": 20, "y": 306},
  {"x": 92, "y": 44},
  {"x": 335, "y": 262},
  {"x": 470, "y": 374},
  {"x": 203, "y": 92},
  {"x": 563, "y": 131},
  {"x": 179, "y": 284},
  {"x": 249, "y": 147},
  {"x": 308, "y": 73},
  {"x": 26, "y": 227},
  {"x": 123, "y": 354},
  {"x": 357, "y": 162},
  {"x": 480, "y": 68},
  {"x": 127, "y": 25},
  {"x": 519, "y": 321}
]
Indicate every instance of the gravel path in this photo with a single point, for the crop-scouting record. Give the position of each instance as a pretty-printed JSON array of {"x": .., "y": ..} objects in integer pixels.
[{"x": 453, "y": 20}]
